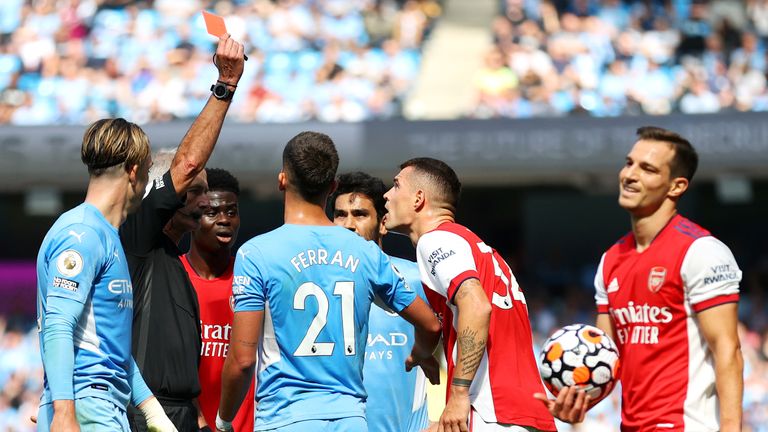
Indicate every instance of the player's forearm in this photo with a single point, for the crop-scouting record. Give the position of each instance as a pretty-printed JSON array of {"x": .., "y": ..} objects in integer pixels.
[
  {"x": 426, "y": 325},
  {"x": 140, "y": 392},
  {"x": 729, "y": 380},
  {"x": 235, "y": 378},
  {"x": 58, "y": 346},
  {"x": 473, "y": 321}
]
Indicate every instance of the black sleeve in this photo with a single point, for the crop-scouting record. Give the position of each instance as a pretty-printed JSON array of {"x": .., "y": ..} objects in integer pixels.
[{"x": 142, "y": 230}]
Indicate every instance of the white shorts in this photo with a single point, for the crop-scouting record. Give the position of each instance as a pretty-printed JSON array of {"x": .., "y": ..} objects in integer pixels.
[{"x": 477, "y": 424}]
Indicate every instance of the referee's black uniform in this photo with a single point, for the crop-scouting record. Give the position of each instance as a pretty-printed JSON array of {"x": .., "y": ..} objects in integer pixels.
[{"x": 166, "y": 317}]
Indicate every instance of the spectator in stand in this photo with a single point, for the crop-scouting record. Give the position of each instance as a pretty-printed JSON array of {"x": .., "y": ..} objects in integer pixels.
[{"x": 124, "y": 52}]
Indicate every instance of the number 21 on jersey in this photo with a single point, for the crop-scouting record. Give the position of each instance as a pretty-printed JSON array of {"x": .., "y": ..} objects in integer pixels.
[{"x": 309, "y": 346}]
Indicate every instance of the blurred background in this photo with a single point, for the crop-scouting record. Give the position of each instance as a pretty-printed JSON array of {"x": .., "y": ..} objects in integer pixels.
[{"x": 534, "y": 103}]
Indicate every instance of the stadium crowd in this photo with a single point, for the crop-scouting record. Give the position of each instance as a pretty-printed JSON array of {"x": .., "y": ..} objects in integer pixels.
[
  {"x": 75, "y": 61},
  {"x": 614, "y": 57},
  {"x": 21, "y": 368}
]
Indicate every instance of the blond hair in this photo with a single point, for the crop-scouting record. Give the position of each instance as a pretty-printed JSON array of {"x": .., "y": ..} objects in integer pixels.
[{"x": 109, "y": 143}]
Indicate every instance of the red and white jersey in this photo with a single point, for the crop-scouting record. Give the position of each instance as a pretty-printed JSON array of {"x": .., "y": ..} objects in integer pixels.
[
  {"x": 216, "y": 314},
  {"x": 503, "y": 387},
  {"x": 667, "y": 373}
]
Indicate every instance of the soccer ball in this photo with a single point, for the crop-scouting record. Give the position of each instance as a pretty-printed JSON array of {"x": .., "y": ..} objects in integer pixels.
[{"x": 580, "y": 355}]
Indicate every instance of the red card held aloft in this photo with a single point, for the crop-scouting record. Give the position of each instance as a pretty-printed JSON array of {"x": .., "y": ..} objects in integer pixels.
[{"x": 214, "y": 24}]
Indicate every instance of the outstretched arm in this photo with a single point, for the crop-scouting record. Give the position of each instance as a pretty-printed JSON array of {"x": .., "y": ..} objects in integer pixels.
[
  {"x": 719, "y": 327},
  {"x": 197, "y": 145}
]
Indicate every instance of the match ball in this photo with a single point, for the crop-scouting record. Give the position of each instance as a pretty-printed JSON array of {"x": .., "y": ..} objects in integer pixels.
[{"x": 580, "y": 355}]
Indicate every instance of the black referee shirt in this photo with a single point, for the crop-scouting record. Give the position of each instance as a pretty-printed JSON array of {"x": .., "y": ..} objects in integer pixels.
[{"x": 166, "y": 319}]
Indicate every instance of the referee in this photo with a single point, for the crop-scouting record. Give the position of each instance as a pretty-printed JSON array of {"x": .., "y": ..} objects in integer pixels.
[{"x": 166, "y": 322}]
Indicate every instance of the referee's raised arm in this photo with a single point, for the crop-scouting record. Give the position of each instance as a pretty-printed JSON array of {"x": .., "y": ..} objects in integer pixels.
[{"x": 197, "y": 145}]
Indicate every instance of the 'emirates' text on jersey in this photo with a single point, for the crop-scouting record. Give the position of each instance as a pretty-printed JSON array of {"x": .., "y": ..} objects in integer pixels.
[
  {"x": 668, "y": 377},
  {"x": 503, "y": 387},
  {"x": 315, "y": 285}
]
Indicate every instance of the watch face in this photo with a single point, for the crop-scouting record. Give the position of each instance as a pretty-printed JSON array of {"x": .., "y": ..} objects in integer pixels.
[{"x": 220, "y": 91}]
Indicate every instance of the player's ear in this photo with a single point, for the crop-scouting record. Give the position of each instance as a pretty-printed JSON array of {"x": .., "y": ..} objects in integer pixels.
[
  {"x": 382, "y": 228},
  {"x": 678, "y": 187},
  {"x": 281, "y": 181},
  {"x": 133, "y": 173},
  {"x": 419, "y": 199}
]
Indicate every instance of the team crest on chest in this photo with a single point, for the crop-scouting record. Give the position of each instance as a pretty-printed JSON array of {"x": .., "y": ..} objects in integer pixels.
[{"x": 656, "y": 278}]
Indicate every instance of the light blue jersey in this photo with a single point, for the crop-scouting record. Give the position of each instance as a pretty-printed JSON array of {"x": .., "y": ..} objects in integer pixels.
[
  {"x": 396, "y": 398},
  {"x": 84, "y": 309},
  {"x": 315, "y": 285}
]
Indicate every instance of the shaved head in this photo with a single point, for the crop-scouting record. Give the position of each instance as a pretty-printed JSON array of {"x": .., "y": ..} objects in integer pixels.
[{"x": 437, "y": 179}]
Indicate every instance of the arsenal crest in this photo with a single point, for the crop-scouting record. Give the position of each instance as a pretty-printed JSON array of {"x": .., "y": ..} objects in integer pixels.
[{"x": 656, "y": 278}]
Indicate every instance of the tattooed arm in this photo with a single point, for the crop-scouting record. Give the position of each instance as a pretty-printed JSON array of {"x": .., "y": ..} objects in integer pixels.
[
  {"x": 241, "y": 357},
  {"x": 474, "y": 315}
]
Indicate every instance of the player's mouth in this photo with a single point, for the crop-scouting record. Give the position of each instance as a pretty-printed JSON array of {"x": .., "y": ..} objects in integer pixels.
[
  {"x": 628, "y": 189},
  {"x": 224, "y": 236}
]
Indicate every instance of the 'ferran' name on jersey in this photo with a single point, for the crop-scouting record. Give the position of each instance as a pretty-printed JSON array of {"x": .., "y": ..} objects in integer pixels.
[
  {"x": 312, "y": 257},
  {"x": 215, "y": 339},
  {"x": 639, "y": 324}
]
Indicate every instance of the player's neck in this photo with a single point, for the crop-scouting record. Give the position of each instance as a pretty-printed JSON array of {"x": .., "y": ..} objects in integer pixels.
[
  {"x": 108, "y": 196},
  {"x": 209, "y": 264},
  {"x": 299, "y": 211},
  {"x": 646, "y": 228},
  {"x": 429, "y": 221}
]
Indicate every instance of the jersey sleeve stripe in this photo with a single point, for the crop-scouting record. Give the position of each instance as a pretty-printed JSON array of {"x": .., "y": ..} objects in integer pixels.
[
  {"x": 602, "y": 308},
  {"x": 715, "y": 301},
  {"x": 458, "y": 280}
]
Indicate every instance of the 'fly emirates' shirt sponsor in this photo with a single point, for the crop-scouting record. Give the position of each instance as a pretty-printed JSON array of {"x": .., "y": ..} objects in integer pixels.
[
  {"x": 216, "y": 313},
  {"x": 653, "y": 298}
]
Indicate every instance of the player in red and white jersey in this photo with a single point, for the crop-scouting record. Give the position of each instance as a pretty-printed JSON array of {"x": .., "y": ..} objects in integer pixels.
[
  {"x": 209, "y": 264},
  {"x": 667, "y": 293},
  {"x": 486, "y": 331}
]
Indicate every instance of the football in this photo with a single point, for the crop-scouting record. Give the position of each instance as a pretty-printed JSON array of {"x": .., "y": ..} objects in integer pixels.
[{"x": 580, "y": 355}]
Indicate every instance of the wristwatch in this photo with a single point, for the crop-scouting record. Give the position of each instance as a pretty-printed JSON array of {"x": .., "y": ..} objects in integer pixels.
[{"x": 221, "y": 91}]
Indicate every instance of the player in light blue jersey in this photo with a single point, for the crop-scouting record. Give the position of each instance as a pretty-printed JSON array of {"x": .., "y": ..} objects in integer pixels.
[
  {"x": 84, "y": 294},
  {"x": 396, "y": 397},
  {"x": 309, "y": 286}
]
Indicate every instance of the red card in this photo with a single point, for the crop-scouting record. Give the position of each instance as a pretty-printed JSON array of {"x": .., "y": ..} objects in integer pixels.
[{"x": 214, "y": 24}]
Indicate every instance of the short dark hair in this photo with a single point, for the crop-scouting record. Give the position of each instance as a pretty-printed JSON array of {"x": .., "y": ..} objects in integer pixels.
[
  {"x": 361, "y": 183},
  {"x": 685, "y": 160},
  {"x": 222, "y": 180},
  {"x": 441, "y": 176},
  {"x": 310, "y": 159}
]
